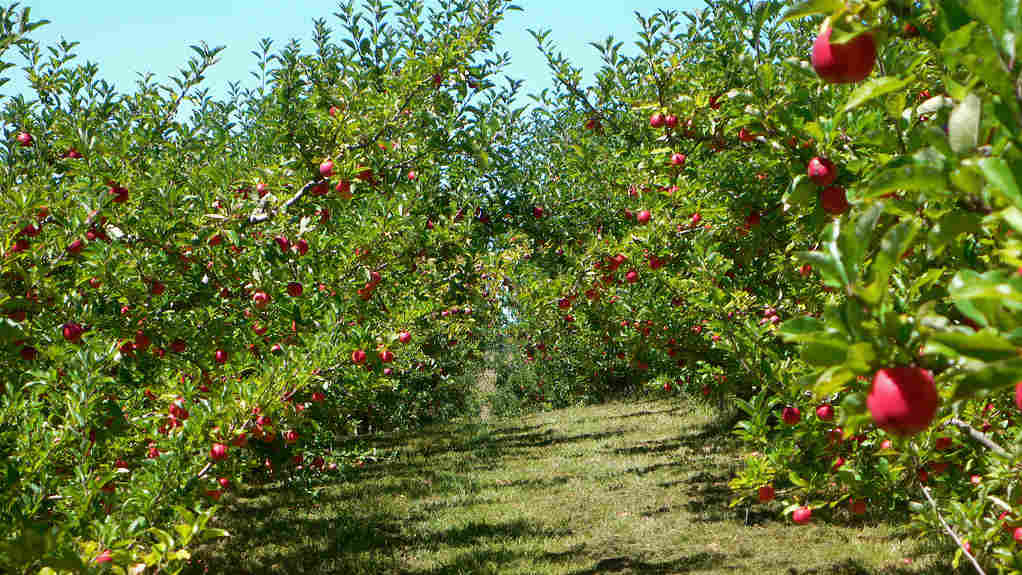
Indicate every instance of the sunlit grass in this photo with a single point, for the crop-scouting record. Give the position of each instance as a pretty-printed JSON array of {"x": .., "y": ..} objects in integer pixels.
[{"x": 619, "y": 488}]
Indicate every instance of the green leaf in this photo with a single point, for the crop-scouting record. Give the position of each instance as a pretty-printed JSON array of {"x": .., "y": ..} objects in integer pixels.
[
  {"x": 893, "y": 245},
  {"x": 801, "y": 193},
  {"x": 902, "y": 176},
  {"x": 990, "y": 378},
  {"x": 823, "y": 352},
  {"x": 963, "y": 126},
  {"x": 832, "y": 381},
  {"x": 801, "y": 329},
  {"x": 1001, "y": 179},
  {"x": 875, "y": 88},
  {"x": 985, "y": 345},
  {"x": 812, "y": 8},
  {"x": 797, "y": 480}
]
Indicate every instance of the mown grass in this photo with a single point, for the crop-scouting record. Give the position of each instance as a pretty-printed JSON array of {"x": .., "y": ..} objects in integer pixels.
[{"x": 619, "y": 488}]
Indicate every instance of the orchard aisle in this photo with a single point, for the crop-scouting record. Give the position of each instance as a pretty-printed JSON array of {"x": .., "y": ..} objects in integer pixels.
[{"x": 620, "y": 488}]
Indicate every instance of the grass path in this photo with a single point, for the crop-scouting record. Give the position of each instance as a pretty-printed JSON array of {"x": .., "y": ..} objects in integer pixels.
[{"x": 620, "y": 488}]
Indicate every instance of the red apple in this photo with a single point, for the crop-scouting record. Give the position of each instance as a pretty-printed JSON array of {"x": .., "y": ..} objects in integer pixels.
[
  {"x": 1018, "y": 395},
  {"x": 74, "y": 248},
  {"x": 643, "y": 217},
  {"x": 358, "y": 357},
  {"x": 29, "y": 353},
  {"x": 843, "y": 63},
  {"x": 1017, "y": 535},
  {"x": 404, "y": 337},
  {"x": 903, "y": 400},
  {"x": 825, "y": 412},
  {"x": 260, "y": 299},
  {"x": 386, "y": 356},
  {"x": 671, "y": 121},
  {"x": 220, "y": 356},
  {"x": 25, "y": 139},
  {"x": 857, "y": 506},
  {"x": 72, "y": 332},
  {"x": 157, "y": 288},
  {"x": 942, "y": 443},
  {"x": 326, "y": 169},
  {"x": 302, "y": 246},
  {"x": 766, "y": 494},
  {"x": 537, "y": 212},
  {"x": 294, "y": 289},
  {"x": 632, "y": 276},
  {"x": 802, "y": 515},
  {"x": 791, "y": 415},
  {"x": 822, "y": 171},
  {"x": 657, "y": 120},
  {"x": 678, "y": 159},
  {"x": 218, "y": 452},
  {"x": 834, "y": 201},
  {"x": 104, "y": 557}
]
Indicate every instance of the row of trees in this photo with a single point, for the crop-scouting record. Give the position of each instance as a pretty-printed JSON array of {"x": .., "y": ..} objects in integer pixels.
[
  {"x": 809, "y": 212},
  {"x": 193, "y": 300}
]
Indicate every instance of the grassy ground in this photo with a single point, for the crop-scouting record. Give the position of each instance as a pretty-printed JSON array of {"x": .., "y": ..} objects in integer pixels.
[{"x": 620, "y": 488}]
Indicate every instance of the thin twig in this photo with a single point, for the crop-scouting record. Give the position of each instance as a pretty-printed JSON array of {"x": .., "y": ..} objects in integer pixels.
[
  {"x": 980, "y": 437},
  {"x": 961, "y": 544}
]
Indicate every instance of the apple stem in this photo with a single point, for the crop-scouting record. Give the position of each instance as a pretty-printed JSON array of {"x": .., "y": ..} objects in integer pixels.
[
  {"x": 961, "y": 545},
  {"x": 980, "y": 437}
]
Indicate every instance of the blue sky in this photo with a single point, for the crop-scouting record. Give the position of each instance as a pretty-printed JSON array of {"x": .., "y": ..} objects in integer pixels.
[{"x": 127, "y": 37}]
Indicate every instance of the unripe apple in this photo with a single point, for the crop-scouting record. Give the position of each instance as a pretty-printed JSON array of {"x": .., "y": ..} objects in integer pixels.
[
  {"x": 294, "y": 289},
  {"x": 404, "y": 337},
  {"x": 218, "y": 452},
  {"x": 358, "y": 357},
  {"x": 903, "y": 400},
  {"x": 657, "y": 120},
  {"x": 802, "y": 515},
  {"x": 834, "y": 200},
  {"x": 643, "y": 217},
  {"x": 843, "y": 63},
  {"x": 791, "y": 415},
  {"x": 25, "y": 139},
  {"x": 825, "y": 412},
  {"x": 678, "y": 159},
  {"x": 822, "y": 171},
  {"x": 326, "y": 169},
  {"x": 766, "y": 494}
]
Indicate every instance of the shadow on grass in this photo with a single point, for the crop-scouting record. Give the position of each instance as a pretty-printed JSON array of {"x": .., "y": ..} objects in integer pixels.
[{"x": 690, "y": 563}]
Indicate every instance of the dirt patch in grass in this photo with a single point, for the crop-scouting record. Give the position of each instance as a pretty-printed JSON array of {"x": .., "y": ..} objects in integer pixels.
[{"x": 620, "y": 488}]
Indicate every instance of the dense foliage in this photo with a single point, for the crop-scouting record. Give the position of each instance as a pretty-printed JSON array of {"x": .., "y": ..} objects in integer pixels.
[{"x": 808, "y": 213}]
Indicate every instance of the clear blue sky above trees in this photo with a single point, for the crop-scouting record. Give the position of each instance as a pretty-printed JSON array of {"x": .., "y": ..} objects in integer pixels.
[{"x": 126, "y": 37}]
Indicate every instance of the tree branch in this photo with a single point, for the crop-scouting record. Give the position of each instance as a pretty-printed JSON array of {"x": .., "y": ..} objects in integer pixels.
[{"x": 961, "y": 545}]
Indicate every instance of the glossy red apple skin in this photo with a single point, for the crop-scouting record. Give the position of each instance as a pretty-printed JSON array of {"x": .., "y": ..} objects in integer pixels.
[
  {"x": 791, "y": 415},
  {"x": 657, "y": 120},
  {"x": 765, "y": 494},
  {"x": 822, "y": 171},
  {"x": 218, "y": 452},
  {"x": 834, "y": 200},
  {"x": 295, "y": 289},
  {"x": 825, "y": 412},
  {"x": 1018, "y": 395},
  {"x": 643, "y": 217},
  {"x": 843, "y": 63},
  {"x": 404, "y": 337},
  {"x": 802, "y": 515},
  {"x": 25, "y": 139},
  {"x": 857, "y": 506},
  {"x": 903, "y": 400},
  {"x": 358, "y": 357}
]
